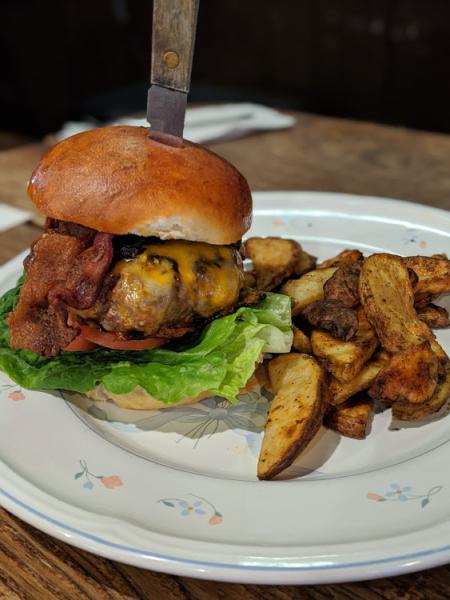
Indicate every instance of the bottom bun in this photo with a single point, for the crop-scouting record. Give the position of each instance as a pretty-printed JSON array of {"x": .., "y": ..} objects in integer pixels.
[{"x": 139, "y": 399}]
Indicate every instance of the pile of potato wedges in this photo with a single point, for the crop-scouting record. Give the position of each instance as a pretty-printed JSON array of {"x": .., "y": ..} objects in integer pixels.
[{"x": 363, "y": 341}]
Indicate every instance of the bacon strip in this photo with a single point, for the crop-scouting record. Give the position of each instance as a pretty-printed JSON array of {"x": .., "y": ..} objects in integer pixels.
[
  {"x": 84, "y": 234},
  {"x": 34, "y": 324},
  {"x": 83, "y": 284},
  {"x": 60, "y": 271}
]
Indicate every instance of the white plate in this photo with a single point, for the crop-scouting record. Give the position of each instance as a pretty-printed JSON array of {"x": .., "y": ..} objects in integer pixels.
[{"x": 176, "y": 491}]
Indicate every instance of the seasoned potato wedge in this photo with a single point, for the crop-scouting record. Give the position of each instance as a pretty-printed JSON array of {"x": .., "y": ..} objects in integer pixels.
[
  {"x": 262, "y": 376},
  {"x": 274, "y": 260},
  {"x": 387, "y": 297},
  {"x": 339, "y": 392},
  {"x": 344, "y": 360},
  {"x": 343, "y": 286},
  {"x": 440, "y": 255},
  {"x": 295, "y": 413},
  {"x": 422, "y": 300},
  {"x": 433, "y": 273},
  {"x": 344, "y": 257},
  {"x": 249, "y": 279},
  {"x": 436, "y": 317},
  {"x": 371, "y": 321},
  {"x": 410, "y": 376},
  {"x": 307, "y": 289},
  {"x": 352, "y": 418},
  {"x": 413, "y": 278},
  {"x": 406, "y": 411},
  {"x": 306, "y": 262},
  {"x": 331, "y": 316},
  {"x": 301, "y": 342}
]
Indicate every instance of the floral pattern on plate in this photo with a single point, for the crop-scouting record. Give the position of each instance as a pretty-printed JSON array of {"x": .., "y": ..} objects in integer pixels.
[
  {"x": 109, "y": 481},
  {"x": 396, "y": 493},
  {"x": 14, "y": 392},
  {"x": 200, "y": 421},
  {"x": 412, "y": 237},
  {"x": 196, "y": 506}
]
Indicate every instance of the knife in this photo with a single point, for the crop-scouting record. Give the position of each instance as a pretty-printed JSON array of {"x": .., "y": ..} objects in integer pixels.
[{"x": 173, "y": 37}]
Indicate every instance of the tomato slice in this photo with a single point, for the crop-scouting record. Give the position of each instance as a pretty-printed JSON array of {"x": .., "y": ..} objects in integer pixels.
[
  {"x": 80, "y": 344},
  {"x": 110, "y": 340}
]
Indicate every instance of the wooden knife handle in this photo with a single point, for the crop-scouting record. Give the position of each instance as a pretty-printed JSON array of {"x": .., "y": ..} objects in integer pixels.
[{"x": 174, "y": 26}]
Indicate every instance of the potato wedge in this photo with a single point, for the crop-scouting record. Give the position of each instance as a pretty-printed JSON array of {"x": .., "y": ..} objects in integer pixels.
[
  {"x": 306, "y": 262},
  {"x": 295, "y": 414},
  {"x": 343, "y": 286},
  {"x": 433, "y": 273},
  {"x": 331, "y": 316},
  {"x": 344, "y": 257},
  {"x": 249, "y": 279},
  {"x": 406, "y": 411},
  {"x": 351, "y": 419},
  {"x": 274, "y": 260},
  {"x": 307, "y": 289},
  {"x": 339, "y": 392},
  {"x": 387, "y": 297},
  {"x": 436, "y": 317},
  {"x": 344, "y": 360},
  {"x": 413, "y": 278},
  {"x": 410, "y": 376},
  {"x": 422, "y": 300},
  {"x": 440, "y": 255},
  {"x": 301, "y": 342},
  {"x": 262, "y": 376}
]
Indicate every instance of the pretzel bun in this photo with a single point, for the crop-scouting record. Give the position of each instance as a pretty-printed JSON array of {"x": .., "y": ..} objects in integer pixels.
[{"x": 118, "y": 180}]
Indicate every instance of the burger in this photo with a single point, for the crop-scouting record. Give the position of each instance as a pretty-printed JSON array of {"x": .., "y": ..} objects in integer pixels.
[{"x": 135, "y": 292}]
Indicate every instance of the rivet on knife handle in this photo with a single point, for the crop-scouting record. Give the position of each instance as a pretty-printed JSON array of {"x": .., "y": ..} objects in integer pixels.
[{"x": 174, "y": 25}]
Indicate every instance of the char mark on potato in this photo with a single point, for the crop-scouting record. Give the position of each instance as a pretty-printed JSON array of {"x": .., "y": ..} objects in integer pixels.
[
  {"x": 344, "y": 285},
  {"x": 333, "y": 317}
]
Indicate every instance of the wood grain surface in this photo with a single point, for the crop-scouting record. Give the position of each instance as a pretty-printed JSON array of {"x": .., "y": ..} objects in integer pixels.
[
  {"x": 173, "y": 39},
  {"x": 318, "y": 154}
]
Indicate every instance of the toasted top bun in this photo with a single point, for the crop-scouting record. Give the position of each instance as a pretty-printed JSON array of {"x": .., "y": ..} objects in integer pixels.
[{"x": 118, "y": 180}]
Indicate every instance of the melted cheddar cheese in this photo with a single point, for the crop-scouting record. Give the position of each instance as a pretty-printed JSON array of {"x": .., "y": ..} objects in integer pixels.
[{"x": 171, "y": 283}]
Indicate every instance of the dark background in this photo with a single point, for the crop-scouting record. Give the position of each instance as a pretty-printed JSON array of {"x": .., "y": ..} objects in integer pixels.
[{"x": 382, "y": 60}]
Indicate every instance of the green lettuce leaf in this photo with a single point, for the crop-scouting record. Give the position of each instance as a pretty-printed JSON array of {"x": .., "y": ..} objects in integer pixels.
[{"x": 220, "y": 360}]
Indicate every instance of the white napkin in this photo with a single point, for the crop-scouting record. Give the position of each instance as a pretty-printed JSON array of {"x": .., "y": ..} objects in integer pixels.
[
  {"x": 10, "y": 216},
  {"x": 210, "y": 123}
]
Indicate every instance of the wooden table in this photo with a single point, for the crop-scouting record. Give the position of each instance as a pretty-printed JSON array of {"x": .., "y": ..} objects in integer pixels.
[{"x": 318, "y": 154}]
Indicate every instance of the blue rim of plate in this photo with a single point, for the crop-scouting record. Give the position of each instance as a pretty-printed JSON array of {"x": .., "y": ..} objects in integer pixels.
[{"x": 201, "y": 563}]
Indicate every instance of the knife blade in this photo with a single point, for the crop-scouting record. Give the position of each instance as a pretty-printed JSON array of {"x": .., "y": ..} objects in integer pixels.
[{"x": 173, "y": 38}]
